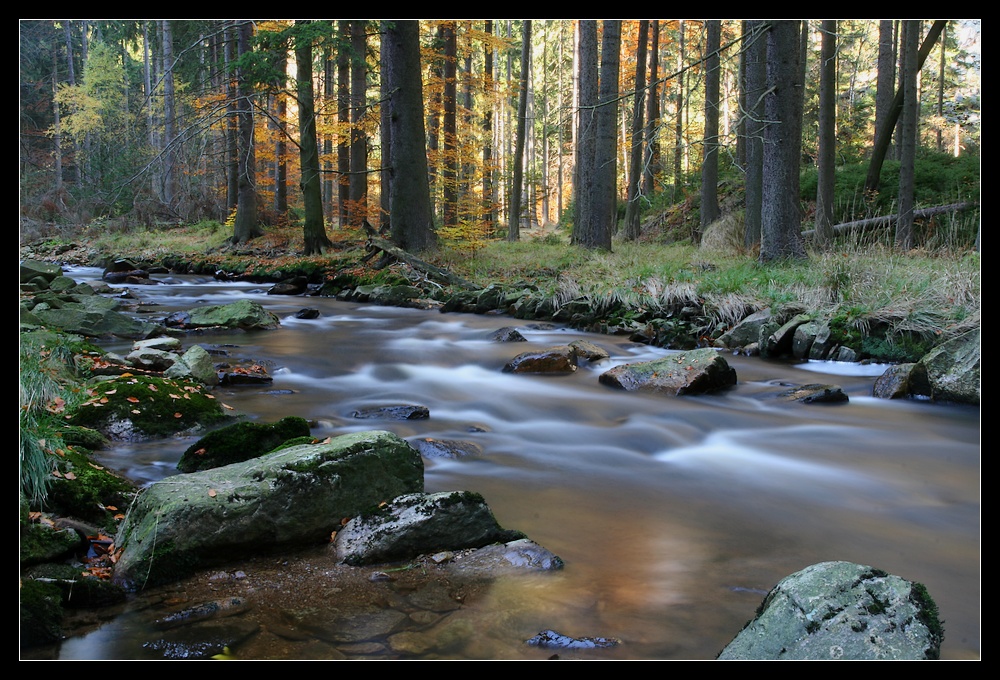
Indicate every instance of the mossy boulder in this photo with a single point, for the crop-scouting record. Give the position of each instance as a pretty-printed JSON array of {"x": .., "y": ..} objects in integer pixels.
[
  {"x": 87, "y": 491},
  {"x": 134, "y": 408},
  {"x": 296, "y": 496},
  {"x": 239, "y": 442},
  {"x": 244, "y": 314}
]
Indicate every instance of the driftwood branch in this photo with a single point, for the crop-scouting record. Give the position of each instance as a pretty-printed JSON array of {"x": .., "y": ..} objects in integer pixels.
[
  {"x": 888, "y": 220},
  {"x": 377, "y": 245}
]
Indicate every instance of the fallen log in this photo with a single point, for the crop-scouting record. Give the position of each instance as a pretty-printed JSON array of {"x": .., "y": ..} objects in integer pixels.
[
  {"x": 888, "y": 220},
  {"x": 389, "y": 252}
]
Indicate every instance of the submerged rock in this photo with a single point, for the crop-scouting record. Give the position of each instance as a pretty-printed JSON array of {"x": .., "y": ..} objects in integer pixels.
[
  {"x": 560, "y": 359},
  {"x": 549, "y": 639}
]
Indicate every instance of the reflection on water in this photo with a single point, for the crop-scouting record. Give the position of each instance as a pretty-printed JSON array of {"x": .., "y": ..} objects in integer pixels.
[{"x": 673, "y": 515}]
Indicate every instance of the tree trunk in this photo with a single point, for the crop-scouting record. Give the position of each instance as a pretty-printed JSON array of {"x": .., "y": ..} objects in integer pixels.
[
  {"x": 651, "y": 158},
  {"x": 314, "y": 231},
  {"x": 358, "y": 186},
  {"x": 780, "y": 214},
  {"x": 410, "y": 192},
  {"x": 605, "y": 202},
  {"x": 827, "y": 132},
  {"x": 885, "y": 86},
  {"x": 755, "y": 48},
  {"x": 679, "y": 117},
  {"x": 514, "y": 216},
  {"x": 246, "y": 226},
  {"x": 280, "y": 143},
  {"x": 635, "y": 160},
  {"x": 449, "y": 127},
  {"x": 583, "y": 184},
  {"x": 169, "y": 117},
  {"x": 488, "y": 213},
  {"x": 344, "y": 118},
  {"x": 710, "y": 158},
  {"x": 908, "y": 140},
  {"x": 884, "y": 134}
]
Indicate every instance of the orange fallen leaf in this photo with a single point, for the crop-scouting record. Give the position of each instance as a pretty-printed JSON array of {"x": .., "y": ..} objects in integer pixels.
[
  {"x": 152, "y": 388},
  {"x": 110, "y": 507},
  {"x": 212, "y": 493},
  {"x": 175, "y": 396},
  {"x": 178, "y": 415},
  {"x": 134, "y": 400},
  {"x": 200, "y": 452}
]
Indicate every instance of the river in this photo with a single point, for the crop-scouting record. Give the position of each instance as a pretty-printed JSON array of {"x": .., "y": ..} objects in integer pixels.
[{"x": 673, "y": 515}]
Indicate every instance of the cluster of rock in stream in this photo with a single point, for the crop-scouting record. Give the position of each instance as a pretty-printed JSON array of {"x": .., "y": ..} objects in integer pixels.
[{"x": 362, "y": 495}]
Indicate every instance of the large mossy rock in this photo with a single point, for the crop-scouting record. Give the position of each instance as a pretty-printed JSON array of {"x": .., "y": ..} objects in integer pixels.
[
  {"x": 841, "y": 610},
  {"x": 297, "y": 495},
  {"x": 694, "y": 372},
  {"x": 239, "y": 442},
  {"x": 953, "y": 369},
  {"x": 244, "y": 314}
]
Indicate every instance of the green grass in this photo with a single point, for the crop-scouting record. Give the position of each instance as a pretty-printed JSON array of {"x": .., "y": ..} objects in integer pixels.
[{"x": 46, "y": 367}]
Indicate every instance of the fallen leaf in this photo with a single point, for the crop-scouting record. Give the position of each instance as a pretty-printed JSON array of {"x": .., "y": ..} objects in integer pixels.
[
  {"x": 70, "y": 476},
  {"x": 228, "y": 407},
  {"x": 152, "y": 388},
  {"x": 136, "y": 411},
  {"x": 96, "y": 467},
  {"x": 175, "y": 396},
  {"x": 178, "y": 415},
  {"x": 212, "y": 493},
  {"x": 134, "y": 400},
  {"x": 111, "y": 392}
]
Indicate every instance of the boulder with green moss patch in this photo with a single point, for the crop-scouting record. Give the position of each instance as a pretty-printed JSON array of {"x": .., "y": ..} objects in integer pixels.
[
  {"x": 295, "y": 496},
  {"x": 239, "y": 442},
  {"x": 134, "y": 408}
]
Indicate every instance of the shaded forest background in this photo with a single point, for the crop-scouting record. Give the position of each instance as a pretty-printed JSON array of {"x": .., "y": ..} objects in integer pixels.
[{"x": 159, "y": 123}]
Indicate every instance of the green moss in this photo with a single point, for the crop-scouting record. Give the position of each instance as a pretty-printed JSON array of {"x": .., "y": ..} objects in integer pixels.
[
  {"x": 927, "y": 614},
  {"x": 241, "y": 441},
  {"x": 88, "y": 491},
  {"x": 41, "y": 613},
  {"x": 156, "y": 407}
]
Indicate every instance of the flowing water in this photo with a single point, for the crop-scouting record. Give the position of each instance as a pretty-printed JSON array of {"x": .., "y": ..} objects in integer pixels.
[{"x": 673, "y": 515}]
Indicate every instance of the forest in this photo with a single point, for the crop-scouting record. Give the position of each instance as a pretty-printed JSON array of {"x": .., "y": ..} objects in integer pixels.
[
  {"x": 798, "y": 200},
  {"x": 463, "y": 133}
]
